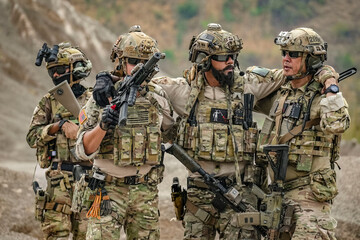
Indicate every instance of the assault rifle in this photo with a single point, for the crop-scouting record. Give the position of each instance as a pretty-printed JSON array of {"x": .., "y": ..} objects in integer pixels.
[
  {"x": 223, "y": 196},
  {"x": 126, "y": 93}
]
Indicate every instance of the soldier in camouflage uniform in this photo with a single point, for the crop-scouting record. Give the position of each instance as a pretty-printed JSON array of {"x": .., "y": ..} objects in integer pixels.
[
  {"x": 130, "y": 156},
  {"x": 208, "y": 99},
  {"x": 53, "y": 132},
  {"x": 309, "y": 114}
]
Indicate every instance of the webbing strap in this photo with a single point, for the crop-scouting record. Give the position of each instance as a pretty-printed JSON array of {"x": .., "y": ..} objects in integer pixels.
[
  {"x": 58, "y": 207},
  {"x": 204, "y": 216},
  {"x": 296, "y": 130},
  {"x": 278, "y": 117}
]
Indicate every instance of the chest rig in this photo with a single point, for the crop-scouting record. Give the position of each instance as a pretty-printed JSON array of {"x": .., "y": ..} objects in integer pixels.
[
  {"x": 139, "y": 142},
  {"x": 62, "y": 149},
  {"x": 295, "y": 119},
  {"x": 207, "y": 132}
]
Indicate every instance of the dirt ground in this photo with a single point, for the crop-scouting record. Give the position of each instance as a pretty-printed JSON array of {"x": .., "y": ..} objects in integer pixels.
[{"x": 17, "y": 200}]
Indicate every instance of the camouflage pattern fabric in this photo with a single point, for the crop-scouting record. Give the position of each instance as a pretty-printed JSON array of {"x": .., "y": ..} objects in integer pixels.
[
  {"x": 59, "y": 223},
  {"x": 313, "y": 219},
  {"x": 134, "y": 207},
  {"x": 198, "y": 229},
  {"x": 56, "y": 224},
  {"x": 311, "y": 153}
]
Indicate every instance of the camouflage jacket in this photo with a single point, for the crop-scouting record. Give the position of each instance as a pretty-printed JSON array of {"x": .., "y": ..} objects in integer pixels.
[
  {"x": 316, "y": 147},
  {"x": 46, "y": 113},
  {"x": 107, "y": 153}
]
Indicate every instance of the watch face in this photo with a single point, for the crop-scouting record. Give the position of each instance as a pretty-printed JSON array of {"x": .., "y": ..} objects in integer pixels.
[{"x": 332, "y": 88}]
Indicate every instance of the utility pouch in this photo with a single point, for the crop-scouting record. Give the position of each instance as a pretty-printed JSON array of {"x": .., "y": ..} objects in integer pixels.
[
  {"x": 82, "y": 195},
  {"x": 206, "y": 140},
  {"x": 323, "y": 185},
  {"x": 46, "y": 153},
  {"x": 220, "y": 142},
  {"x": 178, "y": 197}
]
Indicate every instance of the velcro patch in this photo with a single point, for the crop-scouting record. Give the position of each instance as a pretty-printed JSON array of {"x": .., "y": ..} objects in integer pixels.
[
  {"x": 261, "y": 71},
  {"x": 82, "y": 116},
  {"x": 219, "y": 115}
]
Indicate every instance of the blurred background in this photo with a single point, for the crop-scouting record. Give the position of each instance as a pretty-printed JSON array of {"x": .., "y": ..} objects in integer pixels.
[{"x": 94, "y": 26}]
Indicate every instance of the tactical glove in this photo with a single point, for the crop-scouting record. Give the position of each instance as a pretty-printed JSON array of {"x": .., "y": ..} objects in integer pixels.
[
  {"x": 103, "y": 89},
  {"x": 109, "y": 118}
]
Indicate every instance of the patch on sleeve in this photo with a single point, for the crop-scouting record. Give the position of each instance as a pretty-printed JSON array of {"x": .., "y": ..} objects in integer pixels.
[
  {"x": 261, "y": 71},
  {"x": 82, "y": 116}
]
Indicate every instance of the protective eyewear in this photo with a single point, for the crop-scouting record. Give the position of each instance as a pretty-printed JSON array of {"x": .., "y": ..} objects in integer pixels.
[
  {"x": 57, "y": 69},
  {"x": 135, "y": 61},
  {"x": 291, "y": 54},
  {"x": 224, "y": 58}
]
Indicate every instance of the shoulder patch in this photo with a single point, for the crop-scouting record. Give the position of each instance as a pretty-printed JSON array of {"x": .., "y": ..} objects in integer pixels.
[
  {"x": 82, "y": 116},
  {"x": 260, "y": 71}
]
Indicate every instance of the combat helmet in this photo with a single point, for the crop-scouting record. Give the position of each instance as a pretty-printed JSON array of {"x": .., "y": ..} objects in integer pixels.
[
  {"x": 133, "y": 45},
  {"x": 307, "y": 41},
  {"x": 80, "y": 66},
  {"x": 213, "y": 41}
]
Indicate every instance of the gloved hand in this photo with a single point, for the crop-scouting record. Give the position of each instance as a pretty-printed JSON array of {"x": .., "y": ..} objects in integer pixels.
[
  {"x": 109, "y": 118},
  {"x": 104, "y": 88},
  {"x": 70, "y": 129}
]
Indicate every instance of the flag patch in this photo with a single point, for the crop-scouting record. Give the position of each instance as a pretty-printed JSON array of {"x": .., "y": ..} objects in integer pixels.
[{"x": 82, "y": 116}]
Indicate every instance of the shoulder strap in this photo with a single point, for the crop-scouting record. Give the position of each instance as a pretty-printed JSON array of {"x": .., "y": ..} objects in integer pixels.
[
  {"x": 296, "y": 130},
  {"x": 278, "y": 116}
]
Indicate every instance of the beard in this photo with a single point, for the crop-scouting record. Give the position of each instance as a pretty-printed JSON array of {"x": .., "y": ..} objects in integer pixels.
[{"x": 224, "y": 80}]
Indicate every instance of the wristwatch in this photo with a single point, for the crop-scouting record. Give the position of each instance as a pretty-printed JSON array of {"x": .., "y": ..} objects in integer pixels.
[
  {"x": 332, "y": 88},
  {"x": 62, "y": 121}
]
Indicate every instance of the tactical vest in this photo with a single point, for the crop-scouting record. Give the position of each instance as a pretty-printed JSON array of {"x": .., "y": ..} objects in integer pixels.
[
  {"x": 60, "y": 149},
  {"x": 139, "y": 142},
  {"x": 210, "y": 137},
  {"x": 304, "y": 146}
]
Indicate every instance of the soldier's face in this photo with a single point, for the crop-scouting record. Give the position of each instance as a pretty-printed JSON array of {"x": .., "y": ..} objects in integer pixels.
[
  {"x": 129, "y": 68},
  {"x": 225, "y": 67},
  {"x": 223, "y": 71},
  {"x": 291, "y": 65}
]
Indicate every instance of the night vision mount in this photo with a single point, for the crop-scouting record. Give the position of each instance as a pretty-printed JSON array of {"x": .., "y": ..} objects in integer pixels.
[{"x": 50, "y": 54}]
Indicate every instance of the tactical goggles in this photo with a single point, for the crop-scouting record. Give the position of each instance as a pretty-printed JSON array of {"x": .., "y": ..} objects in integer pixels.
[
  {"x": 291, "y": 54},
  {"x": 57, "y": 69},
  {"x": 135, "y": 61},
  {"x": 224, "y": 58}
]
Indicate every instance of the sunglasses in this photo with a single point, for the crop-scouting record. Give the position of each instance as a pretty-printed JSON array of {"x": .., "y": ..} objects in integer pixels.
[
  {"x": 224, "y": 58},
  {"x": 291, "y": 54},
  {"x": 57, "y": 69},
  {"x": 135, "y": 61}
]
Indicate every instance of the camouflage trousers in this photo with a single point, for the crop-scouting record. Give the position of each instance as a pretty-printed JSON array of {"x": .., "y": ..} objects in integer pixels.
[
  {"x": 133, "y": 206},
  {"x": 58, "y": 222},
  {"x": 312, "y": 219},
  {"x": 195, "y": 228}
]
